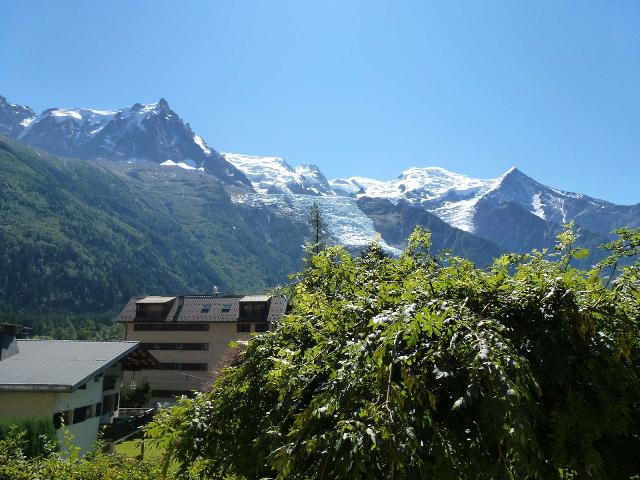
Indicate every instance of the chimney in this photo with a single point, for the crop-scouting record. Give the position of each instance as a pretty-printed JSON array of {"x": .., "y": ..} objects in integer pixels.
[{"x": 9, "y": 339}]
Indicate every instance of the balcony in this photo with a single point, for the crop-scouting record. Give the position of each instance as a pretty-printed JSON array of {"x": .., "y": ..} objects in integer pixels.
[{"x": 110, "y": 382}]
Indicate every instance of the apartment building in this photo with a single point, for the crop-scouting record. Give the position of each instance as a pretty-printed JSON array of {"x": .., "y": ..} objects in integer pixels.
[{"x": 190, "y": 335}]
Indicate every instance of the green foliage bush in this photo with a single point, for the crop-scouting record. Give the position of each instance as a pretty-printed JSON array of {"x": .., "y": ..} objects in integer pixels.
[
  {"x": 425, "y": 367},
  {"x": 136, "y": 397},
  {"x": 49, "y": 465},
  {"x": 37, "y": 433}
]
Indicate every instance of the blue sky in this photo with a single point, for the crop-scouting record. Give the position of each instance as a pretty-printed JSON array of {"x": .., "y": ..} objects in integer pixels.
[{"x": 358, "y": 87}]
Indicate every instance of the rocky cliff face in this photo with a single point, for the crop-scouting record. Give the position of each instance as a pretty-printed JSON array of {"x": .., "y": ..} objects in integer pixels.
[
  {"x": 152, "y": 132},
  {"x": 14, "y": 118}
]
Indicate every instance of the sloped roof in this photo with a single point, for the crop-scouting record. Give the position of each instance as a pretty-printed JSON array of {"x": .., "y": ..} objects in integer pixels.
[
  {"x": 209, "y": 308},
  {"x": 277, "y": 308},
  {"x": 59, "y": 365}
]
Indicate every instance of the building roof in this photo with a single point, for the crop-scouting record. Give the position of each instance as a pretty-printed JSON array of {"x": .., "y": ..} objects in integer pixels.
[
  {"x": 156, "y": 299},
  {"x": 255, "y": 298},
  {"x": 12, "y": 328},
  {"x": 208, "y": 308},
  {"x": 59, "y": 365}
]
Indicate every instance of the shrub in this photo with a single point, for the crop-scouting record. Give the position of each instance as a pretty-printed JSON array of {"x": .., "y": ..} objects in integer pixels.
[
  {"x": 37, "y": 432},
  {"x": 53, "y": 466},
  {"x": 136, "y": 397}
]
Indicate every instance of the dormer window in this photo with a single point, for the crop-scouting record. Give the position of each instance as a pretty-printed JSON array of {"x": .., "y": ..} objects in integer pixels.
[
  {"x": 154, "y": 307},
  {"x": 226, "y": 307},
  {"x": 254, "y": 310},
  {"x": 205, "y": 308}
]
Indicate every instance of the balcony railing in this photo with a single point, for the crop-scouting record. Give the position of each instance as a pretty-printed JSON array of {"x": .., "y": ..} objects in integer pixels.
[{"x": 125, "y": 426}]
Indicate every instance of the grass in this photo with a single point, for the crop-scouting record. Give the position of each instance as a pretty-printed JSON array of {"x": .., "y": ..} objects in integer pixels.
[{"x": 131, "y": 448}]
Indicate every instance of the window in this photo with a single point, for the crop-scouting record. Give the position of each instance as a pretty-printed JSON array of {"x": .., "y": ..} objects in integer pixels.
[
  {"x": 254, "y": 310},
  {"x": 80, "y": 414},
  {"x": 226, "y": 307},
  {"x": 261, "y": 327},
  {"x": 98, "y": 409},
  {"x": 189, "y": 367},
  {"x": 68, "y": 417},
  {"x": 109, "y": 404},
  {"x": 171, "y": 327},
  {"x": 109, "y": 382},
  {"x": 193, "y": 346},
  {"x": 175, "y": 346},
  {"x": 57, "y": 420},
  {"x": 205, "y": 308},
  {"x": 244, "y": 327},
  {"x": 153, "y": 309},
  {"x": 159, "y": 346}
]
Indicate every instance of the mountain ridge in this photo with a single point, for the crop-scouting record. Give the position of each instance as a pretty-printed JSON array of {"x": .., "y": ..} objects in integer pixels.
[
  {"x": 152, "y": 149},
  {"x": 142, "y": 132}
]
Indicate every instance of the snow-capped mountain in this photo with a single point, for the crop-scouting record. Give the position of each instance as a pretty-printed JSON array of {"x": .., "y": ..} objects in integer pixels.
[
  {"x": 151, "y": 132},
  {"x": 558, "y": 206},
  {"x": 475, "y": 217},
  {"x": 512, "y": 212},
  {"x": 448, "y": 195},
  {"x": 274, "y": 175},
  {"x": 463, "y": 202},
  {"x": 13, "y": 117},
  {"x": 346, "y": 223}
]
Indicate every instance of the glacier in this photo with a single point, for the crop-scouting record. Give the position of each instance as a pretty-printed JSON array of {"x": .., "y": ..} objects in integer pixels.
[{"x": 347, "y": 225}]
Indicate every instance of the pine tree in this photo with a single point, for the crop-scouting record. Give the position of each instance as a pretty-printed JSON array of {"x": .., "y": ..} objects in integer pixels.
[{"x": 317, "y": 226}]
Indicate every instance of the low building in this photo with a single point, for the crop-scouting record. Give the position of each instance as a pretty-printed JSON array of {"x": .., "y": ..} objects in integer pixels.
[
  {"x": 190, "y": 335},
  {"x": 75, "y": 383}
]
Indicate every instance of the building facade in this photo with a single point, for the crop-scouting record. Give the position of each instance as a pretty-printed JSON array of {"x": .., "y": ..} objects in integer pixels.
[{"x": 190, "y": 335}]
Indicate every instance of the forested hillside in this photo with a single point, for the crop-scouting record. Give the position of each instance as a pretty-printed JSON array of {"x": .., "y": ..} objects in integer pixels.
[{"x": 78, "y": 236}]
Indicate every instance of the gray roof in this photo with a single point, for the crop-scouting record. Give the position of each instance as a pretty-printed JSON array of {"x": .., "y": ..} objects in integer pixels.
[
  {"x": 59, "y": 365},
  {"x": 189, "y": 308}
]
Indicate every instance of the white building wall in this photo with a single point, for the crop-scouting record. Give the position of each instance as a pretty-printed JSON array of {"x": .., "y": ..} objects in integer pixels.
[
  {"x": 46, "y": 404},
  {"x": 85, "y": 433}
]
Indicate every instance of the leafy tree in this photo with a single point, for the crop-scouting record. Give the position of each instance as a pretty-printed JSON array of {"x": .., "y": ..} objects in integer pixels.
[
  {"x": 137, "y": 396},
  {"x": 626, "y": 246},
  {"x": 426, "y": 367}
]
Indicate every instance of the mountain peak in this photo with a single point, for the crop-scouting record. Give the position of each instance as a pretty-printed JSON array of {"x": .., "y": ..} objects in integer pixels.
[
  {"x": 513, "y": 175},
  {"x": 275, "y": 175},
  {"x": 162, "y": 103}
]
